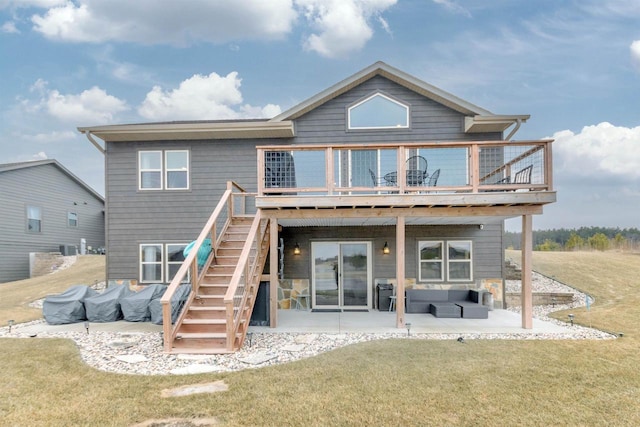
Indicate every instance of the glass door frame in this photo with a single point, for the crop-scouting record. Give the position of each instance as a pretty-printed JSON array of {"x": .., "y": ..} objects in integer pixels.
[{"x": 369, "y": 281}]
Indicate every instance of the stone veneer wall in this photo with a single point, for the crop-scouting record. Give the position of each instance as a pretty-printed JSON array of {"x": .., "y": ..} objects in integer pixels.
[{"x": 41, "y": 263}]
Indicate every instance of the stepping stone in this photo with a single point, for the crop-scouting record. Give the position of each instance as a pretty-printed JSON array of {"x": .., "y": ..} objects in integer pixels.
[
  {"x": 336, "y": 337},
  {"x": 195, "y": 356},
  {"x": 305, "y": 339},
  {"x": 121, "y": 344},
  {"x": 293, "y": 347},
  {"x": 132, "y": 358},
  {"x": 196, "y": 368},
  {"x": 187, "y": 390},
  {"x": 257, "y": 358}
]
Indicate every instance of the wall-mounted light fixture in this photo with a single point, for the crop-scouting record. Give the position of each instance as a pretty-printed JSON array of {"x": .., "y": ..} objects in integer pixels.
[
  {"x": 296, "y": 249},
  {"x": 385, "y": 249}
]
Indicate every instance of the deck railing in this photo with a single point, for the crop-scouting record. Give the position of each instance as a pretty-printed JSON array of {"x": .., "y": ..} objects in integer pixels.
[
  {"x": 232, "y": 203},
  {"x": 246, "y": 277},
  {"x": 458, "y": 166}
]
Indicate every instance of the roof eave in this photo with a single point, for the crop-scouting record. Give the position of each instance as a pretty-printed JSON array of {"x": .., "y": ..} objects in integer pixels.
[
  {"x": 492, "y": 123},
  {"x": 191, "y": 131}
]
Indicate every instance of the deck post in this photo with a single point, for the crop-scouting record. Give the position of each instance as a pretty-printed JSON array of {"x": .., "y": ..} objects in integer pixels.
[
  {"x": 526, "y": 294},
  {"x": 400, "y": 263},
  {"x": 273, "y": 273}
]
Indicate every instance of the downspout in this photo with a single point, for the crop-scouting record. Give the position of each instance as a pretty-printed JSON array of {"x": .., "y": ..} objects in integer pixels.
[
  {"x": 514, "y": 130},
  {"x": 93, "y": 141}
]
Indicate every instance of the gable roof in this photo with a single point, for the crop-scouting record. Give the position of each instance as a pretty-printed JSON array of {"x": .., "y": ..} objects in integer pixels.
[
  {"x": 478, "y": 119},
  {"x": 7, "y": 167}
]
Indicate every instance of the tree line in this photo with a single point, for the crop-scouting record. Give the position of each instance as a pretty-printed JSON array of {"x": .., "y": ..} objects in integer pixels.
[{"x": 583, "y": 238}]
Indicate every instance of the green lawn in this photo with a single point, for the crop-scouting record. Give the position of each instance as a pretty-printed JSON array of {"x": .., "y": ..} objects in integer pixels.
[{"x": 395, "y": 382}]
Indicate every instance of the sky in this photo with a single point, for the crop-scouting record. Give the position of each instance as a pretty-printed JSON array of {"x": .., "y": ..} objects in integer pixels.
[{"x": 573, "y": 65}]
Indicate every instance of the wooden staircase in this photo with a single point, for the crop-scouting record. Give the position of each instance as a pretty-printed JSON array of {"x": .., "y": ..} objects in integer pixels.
[{"x": 207, "y": 322}]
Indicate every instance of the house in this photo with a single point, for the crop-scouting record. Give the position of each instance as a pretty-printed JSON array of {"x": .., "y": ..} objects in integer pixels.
[
  {"x": 379, "y": 178},
  {"x": 44, "y": 208}
]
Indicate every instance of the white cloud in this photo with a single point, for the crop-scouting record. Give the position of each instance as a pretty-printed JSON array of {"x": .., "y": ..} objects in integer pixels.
[
  {"x": 598, "y": 151},
  {"x": 211, "y": 97},
  {"x": 9, "y": 27},
  {"x": 41, "y": 155},
  {"x": 453, "y": 7},
  {"x": 167, "y": 21},
  {"x": 30, "y": 3},
  {"x": 635, "y": 54},
  {"x": 342, "y": 26},
  {"x": 92, "y": 105}
]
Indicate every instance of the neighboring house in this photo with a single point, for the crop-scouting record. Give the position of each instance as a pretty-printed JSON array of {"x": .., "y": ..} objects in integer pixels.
[
  {"x": 43, "y": 206},
  {"x": 380, "y": 178}
]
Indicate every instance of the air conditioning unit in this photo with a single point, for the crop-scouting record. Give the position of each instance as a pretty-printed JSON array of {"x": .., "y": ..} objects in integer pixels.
[{"x": 68, "y": 250}]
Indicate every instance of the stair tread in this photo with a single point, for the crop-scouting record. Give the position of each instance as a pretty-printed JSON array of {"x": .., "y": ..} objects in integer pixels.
[
  {"x": 201, "y": 335},
  {"x": 204, "y": 321}
]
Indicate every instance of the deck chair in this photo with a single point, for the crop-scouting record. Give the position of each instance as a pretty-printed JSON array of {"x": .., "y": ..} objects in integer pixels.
[
  {"x": 523, "y": 176},
  {"x": 416, "y": 170},
  {"x": 433, "y": 179}
]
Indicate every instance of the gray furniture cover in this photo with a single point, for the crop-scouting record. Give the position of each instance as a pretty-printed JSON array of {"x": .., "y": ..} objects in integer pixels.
[
  {"x": 105, "y": 307},
  {"x": 135, "y": 307},
  {"x": 177, "y": 302},
  {"x": 67, "y": 307}
]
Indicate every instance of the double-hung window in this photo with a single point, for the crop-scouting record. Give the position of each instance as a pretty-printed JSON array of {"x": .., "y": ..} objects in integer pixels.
[
  {"x": 34, "y": 219},
  {"x": 459, "y": 260},
  {"x": 163, "y": 170},
  {"x": 455, "y": 263},
  {"x": 431, "y": 261},
  {"x": 160, "y": 262},
  {"x": 72, "y": 219},
  {"x": 151, "y": 263}
]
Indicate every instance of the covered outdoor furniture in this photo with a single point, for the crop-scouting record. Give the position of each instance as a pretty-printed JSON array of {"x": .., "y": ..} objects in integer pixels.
[
  {"x": 105, "y": 307},
  {"x": 177, "y": 302},
  {"x": 135, "y": 307},
  {"x": 67, "y": 307}
]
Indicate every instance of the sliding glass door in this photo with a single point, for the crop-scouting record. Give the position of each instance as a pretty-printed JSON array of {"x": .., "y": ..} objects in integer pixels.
[{"x": 341, "y": 274}]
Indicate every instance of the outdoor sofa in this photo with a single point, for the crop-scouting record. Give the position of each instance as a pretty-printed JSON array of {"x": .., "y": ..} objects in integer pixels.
[{"x": 465, "y": 303}]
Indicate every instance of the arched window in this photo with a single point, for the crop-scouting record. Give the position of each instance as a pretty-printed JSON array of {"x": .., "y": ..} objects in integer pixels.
[{"x": 378, "y": 112}]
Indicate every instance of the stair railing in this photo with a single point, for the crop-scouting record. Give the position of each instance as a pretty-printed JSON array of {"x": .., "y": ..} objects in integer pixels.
[
  {"x": 242, "y": 290},
  {"x": 190, "y": 268}
]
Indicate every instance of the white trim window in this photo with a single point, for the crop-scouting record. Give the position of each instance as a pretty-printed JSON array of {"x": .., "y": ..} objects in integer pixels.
[
  {"x": 459, "y": 261},
  {"x": 151, "y": 263},
  {"x": 72, "y": 219},
  {"x": 150, "y": 170},
  {"x": 456, "y": 262},
  {"x": 176, "y": 164},
  {"x": 34, "y": 219},
  {"x": 378, "y": 111},
  {"x": 431, "y": 259},
  {"x": 163, "y": 170},
  {"x": 174, "y": 258}
]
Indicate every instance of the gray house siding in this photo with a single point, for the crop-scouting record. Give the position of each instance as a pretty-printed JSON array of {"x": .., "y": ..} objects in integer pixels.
[
  {"x": 56, "y": 194},
  {"x": 135, "y": 217},
  {"x": 138, "y": 216},
  {"x": 487, "y": 247},
  {"x": 429, "y": 120}
]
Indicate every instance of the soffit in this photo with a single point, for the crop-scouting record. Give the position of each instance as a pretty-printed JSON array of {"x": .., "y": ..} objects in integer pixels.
[{"x": 192, "y": 131}]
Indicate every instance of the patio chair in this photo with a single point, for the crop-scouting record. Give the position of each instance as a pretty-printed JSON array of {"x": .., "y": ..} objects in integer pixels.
[
  {"x": 433, "y": 179},
  {"x": 523, "y": 176},
  {"x": 416, "y": 170}
]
